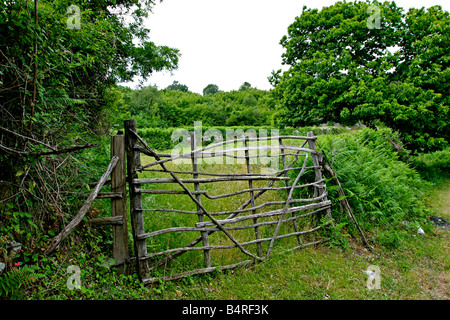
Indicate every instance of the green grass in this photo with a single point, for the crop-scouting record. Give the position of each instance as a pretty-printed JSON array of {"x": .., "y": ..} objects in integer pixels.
[{"x": 419, "y": 270}]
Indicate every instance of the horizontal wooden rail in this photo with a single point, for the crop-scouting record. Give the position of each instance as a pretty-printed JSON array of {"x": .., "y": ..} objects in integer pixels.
[
  {"x": 116, "y": 220},
  {"x": 209, "y": 229},
  {"x": 212, "y": 146},
  {"x": 225, "y": 195},
  {"x": 238, "y": 211},
  {"x": 324, "y": 204},
  {"x": 231, "y": 246},
  {"x": 198, "y": 271},
  {"x": 207, "y": 180},
  {"x": 108, "y": 195},
  {"x": 200, "y": 173},
  {"x": 152, "y": 191}
]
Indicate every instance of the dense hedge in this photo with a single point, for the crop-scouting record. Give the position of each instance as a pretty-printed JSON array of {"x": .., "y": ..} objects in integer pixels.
[
  {"x": 433, "y": 166},
  {"x": 161, "y": 138}
]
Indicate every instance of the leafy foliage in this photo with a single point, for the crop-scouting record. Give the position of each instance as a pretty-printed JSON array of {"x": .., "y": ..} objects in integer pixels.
[
  {"x": 12, "y": 282},
  {"x": 211, "y": 89},
  {"x": 383, "y": 191},
  {"x": 57, "y": 92},
  {"x": 340, "y": 70},
  {"x": 433, "y": 166},
  {"x": 173, "y": 107}
]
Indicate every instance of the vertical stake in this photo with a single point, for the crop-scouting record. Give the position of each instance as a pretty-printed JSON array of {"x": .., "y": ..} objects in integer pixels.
[
  {"x": 119, "y": 205},
  {"x": 252, "y": 197},
  {"x": 137, "y": 220},
  {"x": 204, "y": 234},
  {"x": 317, "y": 170},
  {"x": 283, "y": 159}
]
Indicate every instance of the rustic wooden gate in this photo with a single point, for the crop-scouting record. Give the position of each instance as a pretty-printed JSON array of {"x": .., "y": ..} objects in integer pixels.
[{"x": 250, "y": 230}]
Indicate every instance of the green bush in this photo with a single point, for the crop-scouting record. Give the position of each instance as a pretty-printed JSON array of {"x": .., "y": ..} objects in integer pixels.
[
  {"x": 433, "y": 166},
  {"x": 382, "y": 190}
]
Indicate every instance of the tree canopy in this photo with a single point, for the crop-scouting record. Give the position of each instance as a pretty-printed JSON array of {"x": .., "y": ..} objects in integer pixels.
[
  {"x": 58, "y": 68},
  {"x": 342, "y": 70},
  {"x": 178, "y": 87},
  {"x": 54, "y": 77},
  {"x": 211, "y": 89}
]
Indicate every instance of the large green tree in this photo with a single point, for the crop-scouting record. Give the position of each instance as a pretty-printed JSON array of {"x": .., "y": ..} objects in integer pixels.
[
  {"x": 59, "y": 62},
  {"x": 176, "y": 86},
  {"x": 342, "y": 68},
  {"x": 210, "y": 89}
]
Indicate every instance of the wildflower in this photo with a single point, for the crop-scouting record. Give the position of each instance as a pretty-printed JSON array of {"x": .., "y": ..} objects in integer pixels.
[{"x": 16, "y": 264}]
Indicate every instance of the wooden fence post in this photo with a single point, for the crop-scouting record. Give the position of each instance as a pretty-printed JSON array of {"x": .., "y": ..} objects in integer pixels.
[
  {"x": 119, "y": 204},
  {"x": 252, "y": 198},
  {"x": 283, "y": 159},
  {"x": 137, "y": 220},
  {"x": 205, "y": 240},
  {"x": 317, "y": 170}
]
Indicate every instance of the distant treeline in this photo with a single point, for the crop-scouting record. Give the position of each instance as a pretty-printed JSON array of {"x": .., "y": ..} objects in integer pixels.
[
  {"x": 166, "y": 138},
  {"x": 175, "y": 106}
]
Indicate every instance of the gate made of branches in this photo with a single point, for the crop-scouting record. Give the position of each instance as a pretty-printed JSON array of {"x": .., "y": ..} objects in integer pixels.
[{"x": 269, "y": 207}]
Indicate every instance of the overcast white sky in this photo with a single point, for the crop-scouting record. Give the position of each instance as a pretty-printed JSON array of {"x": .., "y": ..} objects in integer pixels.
[{"x": 228, "y": 42}]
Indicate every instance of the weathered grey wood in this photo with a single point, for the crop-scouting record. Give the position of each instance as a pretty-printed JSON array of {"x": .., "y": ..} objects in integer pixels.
[
  {"x": 204, "y": 234},
  {"x": 324, "y": 204},
  {"x": 209, "y": 229},
  {"x": 151, "y": 191},
  {"x": 232, "y": 222},
  {"x": 232, "y": 214},
  {"x": 196, "y": 241},
  {"x": 243, "y": 250},
  {"x": 119, "y": 204},
  {"x": 238, "y": 211},
  {"x": 231, "y": 174},
  {"x": 225, "y": 195},
  {"x": 270, "y": 184},
  {"x": 84, "y": 209},
  {"x": 137, "y": 220},
  {"x": 318, "y": 171},
  {"x": 346, "y": 205},
  {"x": 198, "y": 271},
  {"x": 206, "y": 180},
  {"x": 285, "y": 209},
  {"x": 213, "y": 154},
  {"x": 232, "y": 246},
  {"x": 212, "y": 146},
  {"x": 252, "y": 198},
  {"x": 283, "y": 161},
  {"x": 118, "y": 220}
]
